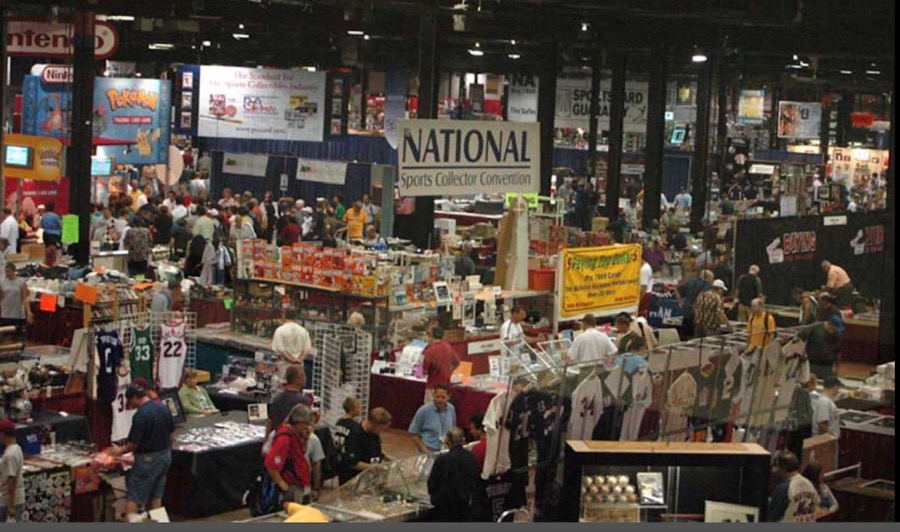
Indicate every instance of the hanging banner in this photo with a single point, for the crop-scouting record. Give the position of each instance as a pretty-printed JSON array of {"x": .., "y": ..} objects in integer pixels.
[
  {"x": 799, "y": 120},
  {"x": 395, "y": 87},
  {"x": 602, "y": 281},
  {"x": 453, "y": 157},
  {"x": 252, "y": 103},
  {"x": 522, "y": 103},
  {"x": 27, "y": 38},
  {"x": 245, "y": 164},
  {"x": 32, "y": 157},
  {"x": 131, "y": 116},
  {"x": 573, "y": 104},
  {"x": 790, "y": 252},
  {"x": 329, "y": 172},
  {"x": 34, "y": 193},
  {"x": 752, "y": 107}
]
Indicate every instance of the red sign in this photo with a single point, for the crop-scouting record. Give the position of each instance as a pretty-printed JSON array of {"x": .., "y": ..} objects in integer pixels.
[
  {"x": 47, "y": 39},
  {"x": 862, "y": 119}
]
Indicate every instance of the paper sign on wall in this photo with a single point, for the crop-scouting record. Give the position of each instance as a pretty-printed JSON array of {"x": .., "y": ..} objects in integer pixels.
[
  {"x": 245, "y": 164},
  {"x": 48, "y": 303},
  {"x": 70, "y": 229},
  {"x": 329, "y": 172}
]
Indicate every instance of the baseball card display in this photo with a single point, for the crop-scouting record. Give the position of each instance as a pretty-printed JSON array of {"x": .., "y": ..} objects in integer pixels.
[
  {"x": 172, "y": 354},
  {"x": 141, "y": 353}
]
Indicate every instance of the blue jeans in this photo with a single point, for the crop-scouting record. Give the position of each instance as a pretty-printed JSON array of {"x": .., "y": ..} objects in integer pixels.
[
  {"x": 18, "y": 516},
  {"x": 146, "y": 480}
]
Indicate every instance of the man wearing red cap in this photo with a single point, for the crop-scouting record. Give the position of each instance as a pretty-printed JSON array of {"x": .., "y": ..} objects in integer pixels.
[{"x": 12, "y": 485}]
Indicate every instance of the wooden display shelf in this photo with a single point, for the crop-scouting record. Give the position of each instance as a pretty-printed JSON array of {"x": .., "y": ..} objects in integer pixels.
[{"x": 648, "y": 447}]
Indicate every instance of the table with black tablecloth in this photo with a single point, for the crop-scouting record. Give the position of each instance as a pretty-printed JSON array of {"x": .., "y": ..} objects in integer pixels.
[
  {"x": 402, "y": 397},
  {"x": 227, "y": 402},
  {"x": 211, "y": 482},
  {"x": 67, "y": 427}
]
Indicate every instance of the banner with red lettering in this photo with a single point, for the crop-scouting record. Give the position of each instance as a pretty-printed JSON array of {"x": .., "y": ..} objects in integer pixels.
[
  {"x": 36, "y": 193},
  {"x": 789, "y": 252}
]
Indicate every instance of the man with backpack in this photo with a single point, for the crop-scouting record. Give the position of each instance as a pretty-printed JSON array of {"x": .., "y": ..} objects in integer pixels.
[
  {"x": 760, "y": 327},
  {"x": 286, "y": 461}
]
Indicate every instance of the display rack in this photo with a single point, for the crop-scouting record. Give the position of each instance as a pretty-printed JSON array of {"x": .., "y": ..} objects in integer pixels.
[{"x": 341, "y": 368}]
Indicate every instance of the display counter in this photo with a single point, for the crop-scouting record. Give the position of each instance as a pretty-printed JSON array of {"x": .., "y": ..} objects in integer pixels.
[
  {"x": 209, "y": 310},
  {"x": 111, "y": 260},
  {"x": 864, "y": 500},
  {"x": 402, "y": 397},
  {"x": 868, "y": 439},
  {"x": 860, "y": 342},
  {"x": 215, "y": 345},
  {"x": 68, "y": 427},
  {"x": 214, "y": 461}
]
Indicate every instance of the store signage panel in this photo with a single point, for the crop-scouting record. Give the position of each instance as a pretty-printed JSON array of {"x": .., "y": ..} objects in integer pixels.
[
  {"x": 522, "y": 103},
  {"x": 602, "y": 281},
  {"x": 245, "y": 164},
  {"x": 28, "y": 38},
  {"x": 31, "y": 157},
  {"x": 573, "y": 105},
  {"x": 452, "y": 157},
  {"x": 251, "y": 103},
  {"x": 486, "y": 346},
  {"x": 130, "y": 122},
  {"x": 799, "y": 120},
  {"x": 328, "y": 172},
  {"x": 752, "y": 107}
]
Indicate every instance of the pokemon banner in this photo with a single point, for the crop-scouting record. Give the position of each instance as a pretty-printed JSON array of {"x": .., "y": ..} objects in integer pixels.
[{"x": 130, "y": 116}]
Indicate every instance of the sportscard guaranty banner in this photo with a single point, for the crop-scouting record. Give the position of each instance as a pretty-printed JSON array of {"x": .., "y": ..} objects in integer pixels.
[
  {"x": 447, "y": 157},
  {"x": 602, "y": 281}
]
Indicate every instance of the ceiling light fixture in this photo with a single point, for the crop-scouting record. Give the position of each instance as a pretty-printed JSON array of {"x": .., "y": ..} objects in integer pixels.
[
  {"x": 356, "y": 33},
  {"x": 873, "y": 72},
  {"x": 513, "y": 42},
  {"x": 514, "y": 56},
  {"x": 207, "y": 43},
  {"x": 475, "y": 52},
  {"x": 699, "y": 57},
  {"x": 240, "y": 36},
  {"x": 848, "y": 72},
  {"x": 366, "y": 37},
  {"x": 123, "y": 18},
  {"x": 584, "y": 26},
  {"x": 161, "y": 46},
  {"x": 309, "y": 68}
]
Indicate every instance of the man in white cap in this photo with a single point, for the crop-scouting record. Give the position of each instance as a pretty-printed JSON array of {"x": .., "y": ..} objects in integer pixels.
[
  {"x": 749, "y": 287},
  {"x": 709, "y": 311}
]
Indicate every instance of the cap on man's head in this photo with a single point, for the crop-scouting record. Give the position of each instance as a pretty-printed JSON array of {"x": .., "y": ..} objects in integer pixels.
[
  {"x": 7, "y": 427},
  {"x": 832, "y": 382},
  {"x": 754, "y": 269},
  {"x": 135, "y": 392},
  {"x": 214, "y": 213},
  {"x": 837, "y": 322},
  {"x": 719, "y": 283}
]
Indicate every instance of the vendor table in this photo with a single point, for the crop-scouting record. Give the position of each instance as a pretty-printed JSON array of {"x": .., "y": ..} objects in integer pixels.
[
  {"x": 870, "y": 443},
  {"x": 466, "y": 219},
  {"x": 402, "y": 397},
  {"x": 209, "y": 311},
  {"x": 211, "y": 482},
  {"x": 54, "y": 328},
  {"x": 228, "y": 402},
  {"x": 860, "y": 343},
  {"x": 861, "y": 500},
  {"x": 67, "y": 428},
  {"x": 215, "y": 346}
]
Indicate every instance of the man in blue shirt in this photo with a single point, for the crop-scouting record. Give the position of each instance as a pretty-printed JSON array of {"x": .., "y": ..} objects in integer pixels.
[
  {"x": 432, "y": 421},
  {"x": 150, "y": 439},
  {"x": 52, "y": 226}
]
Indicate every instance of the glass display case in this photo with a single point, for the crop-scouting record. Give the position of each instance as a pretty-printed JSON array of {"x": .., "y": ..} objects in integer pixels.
[
  {"x": 629, "y": 482},
  {"x": 393, "y": 491}
]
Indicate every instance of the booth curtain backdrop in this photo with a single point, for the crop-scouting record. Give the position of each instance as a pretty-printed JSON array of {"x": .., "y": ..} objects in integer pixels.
[{"x": 790, "y": 251}]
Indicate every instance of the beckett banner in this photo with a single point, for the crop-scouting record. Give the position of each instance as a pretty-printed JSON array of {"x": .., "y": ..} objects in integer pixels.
[
  {"x": 251, "y": 103},
  {"x": 445, "y": 158},
  {"x": 602, "y": 281}
]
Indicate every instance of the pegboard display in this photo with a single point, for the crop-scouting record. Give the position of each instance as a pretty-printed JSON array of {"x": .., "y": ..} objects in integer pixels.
[{"x": 341, "y": 368}]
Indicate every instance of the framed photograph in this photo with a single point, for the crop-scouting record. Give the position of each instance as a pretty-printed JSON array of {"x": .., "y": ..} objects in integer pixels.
[
  {"x": 337, "y": 106},
  {"x": 469, "y": 309},
  {"x": 337, "y": 88},
  {"x": 257, "y": 412},
  {"x": 650, "y": 489},
  {"x": 722, "y": 512},
  {"x": 187, "y": 80},
  {"x": 187, "y": 100},
  {"x": 187, "y": 120},
  {"x": 442, "y": 292},
  {"x": 337, "y": 126},
  {"x": 173, "y": 403}
]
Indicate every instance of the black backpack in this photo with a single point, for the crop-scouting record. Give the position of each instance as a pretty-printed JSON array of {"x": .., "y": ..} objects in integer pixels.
[{"x": 332, "y": 453}]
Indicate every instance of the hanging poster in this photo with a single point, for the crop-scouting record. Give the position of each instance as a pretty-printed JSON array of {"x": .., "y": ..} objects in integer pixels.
[
  {"x": 251, "y": 103},
  {"x": 602, "y": 281},
  {"x": 245, "y": 164},
  {"x": 330, "y": 172},
  {"x": 573, "y": 104},
  {"x": 799, "y": 120},
  {"x": 523, "y": 98},
  {"x": 447, "y": 157},
  {"x": 395, "y": 87},
  {"x": 130, "y": 122},
  {"x": 752, "y": 107}
]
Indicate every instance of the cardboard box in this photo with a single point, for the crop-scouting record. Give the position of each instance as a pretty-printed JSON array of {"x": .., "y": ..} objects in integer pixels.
[
  {"x": 34, "y": 251},
  {"x": 821, "y": 449}
]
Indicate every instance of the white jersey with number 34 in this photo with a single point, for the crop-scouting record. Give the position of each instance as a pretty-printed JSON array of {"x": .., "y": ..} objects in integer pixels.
[
  {"x": 122, "y": 415},
  {"x": 172, "y": 353}
]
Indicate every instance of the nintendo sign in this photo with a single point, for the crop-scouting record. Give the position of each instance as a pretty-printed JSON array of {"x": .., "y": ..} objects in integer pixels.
[{"x": 46, "y": 39}]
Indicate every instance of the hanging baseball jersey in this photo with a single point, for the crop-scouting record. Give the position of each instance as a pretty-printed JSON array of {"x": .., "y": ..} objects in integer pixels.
[
  {"x": 141, "y": 353},
  {"x": 109, "y": 354},
  {"x": 764, "y": 393},
  {"x": 121, "y": 424},
  {"x": 496, "y": 458},
  {"x": 680, "y": 400},
  {"x": 172, "y": 353},
  {"x": 749, "y": 374},
  {"x": 642, "y": 398},
  {"x": 587, "y": 407}
]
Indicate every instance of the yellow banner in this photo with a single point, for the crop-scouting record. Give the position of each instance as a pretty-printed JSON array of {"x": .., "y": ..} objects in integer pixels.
[
  {"x": 30, "y": 157},
  {"x": 602, "y": 281}
]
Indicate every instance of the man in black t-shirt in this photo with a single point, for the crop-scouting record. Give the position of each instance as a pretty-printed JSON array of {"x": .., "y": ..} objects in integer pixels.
[
  {"x": 748, "y": 288},
  {"x": 362, "y": 445},
  {"x": 286, "y": 400}
]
